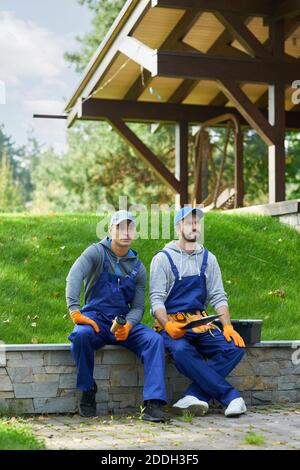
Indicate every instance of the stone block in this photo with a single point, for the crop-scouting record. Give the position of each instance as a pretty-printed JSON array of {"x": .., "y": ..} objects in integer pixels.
[
  {"x": 260, "y": 398},
  {"x": 280, "y": 396},
  {"x": 264, "y": 354},
  {"x": 265, "y": 383},
  {"x": 287, "y": 382},
  {"x": 7, "y": 395},
  {"x": 268, "y": 368},
  {"x": 13, "y": 406},
  {"x": 58, "y": 358},
  {"x": 36, "y": 390},
  {"x": 102, "y": 396},
  {"x": 243, "y": 368},
  {"x": 3, "y": 371},
  {"x": 38, "y": 361},
  {"x": 282, "y": 353},
  {"x": 60, "y": 369},
  {"x": 40, "y": 378},
  {"x": 101, "y": 372},
  {"x": 118, "y": 357},
  {"x": 102, "y": 409},
  {"x": 55, "y": 405},
  {"x": 67, "y": 380},
  {"x": 5, "y": 384},
  {"x": 66, "y": 392},
  {"x": 20, "y": 374}
]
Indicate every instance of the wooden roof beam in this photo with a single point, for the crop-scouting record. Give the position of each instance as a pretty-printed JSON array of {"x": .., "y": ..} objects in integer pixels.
[
  {"x": 287, "y": 9},
  {"x": 242, "y": 7},
  {"x": 201, "y": 66},
  {"x": 146, "y": 111}
]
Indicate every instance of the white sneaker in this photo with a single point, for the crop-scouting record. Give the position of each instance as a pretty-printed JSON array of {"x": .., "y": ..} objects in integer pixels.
[
  {"x": 190, "y": 403},
  {"x": 236, "y": 407}
]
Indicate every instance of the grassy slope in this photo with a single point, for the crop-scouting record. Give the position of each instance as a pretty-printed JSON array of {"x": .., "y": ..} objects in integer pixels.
[{"x": 257, "y": 255}]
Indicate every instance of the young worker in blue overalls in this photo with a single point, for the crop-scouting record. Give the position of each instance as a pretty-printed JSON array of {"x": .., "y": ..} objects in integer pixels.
[
  {"x": 114, "y": 280},
  {"x": 184, "y": 278}
]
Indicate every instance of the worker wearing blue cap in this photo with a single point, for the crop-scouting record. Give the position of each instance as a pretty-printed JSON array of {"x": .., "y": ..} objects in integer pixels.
[
  {"x": 115, "y": 281},
  {"x": 184, "y": 279}
]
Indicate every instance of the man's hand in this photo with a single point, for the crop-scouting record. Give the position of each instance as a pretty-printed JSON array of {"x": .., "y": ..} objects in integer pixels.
[
  {"x": 173, "y": 329},
  {"x": 122, "y": 333},
  {"x": 80, "y": 319},
  {"x": 230, "y": 333}
]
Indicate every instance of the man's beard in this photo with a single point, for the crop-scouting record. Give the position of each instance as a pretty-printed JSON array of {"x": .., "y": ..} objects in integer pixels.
[{"x": 193, "y": 237}]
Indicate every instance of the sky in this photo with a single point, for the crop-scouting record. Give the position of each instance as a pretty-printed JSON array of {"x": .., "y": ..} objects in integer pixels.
[{"x": 34, "y": 77}]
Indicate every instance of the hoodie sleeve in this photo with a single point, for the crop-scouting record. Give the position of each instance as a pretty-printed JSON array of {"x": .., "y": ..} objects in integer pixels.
[
  {"x": 216, "y": 295},
  {"x": 136, "y": 312},
  {"x": 160, "y": 281},
  {"x": 80, "y": 270}
]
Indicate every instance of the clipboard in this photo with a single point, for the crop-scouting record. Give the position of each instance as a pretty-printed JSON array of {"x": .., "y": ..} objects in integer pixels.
[{"x": 201, "y": 321}]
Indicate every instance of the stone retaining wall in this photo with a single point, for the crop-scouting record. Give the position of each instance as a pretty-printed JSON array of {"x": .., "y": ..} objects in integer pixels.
[{"x": 42, "y": 378}]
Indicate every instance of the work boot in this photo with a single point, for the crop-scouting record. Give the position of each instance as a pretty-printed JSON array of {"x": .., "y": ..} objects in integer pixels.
[
  {"x": 87, "y": 404},
  {"x": 153, "y": 412}
]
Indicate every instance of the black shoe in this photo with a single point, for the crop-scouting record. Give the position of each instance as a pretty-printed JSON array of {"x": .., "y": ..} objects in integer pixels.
[
  {"x": 153, "y": 412},
  {"x": 87, "y": 404}
]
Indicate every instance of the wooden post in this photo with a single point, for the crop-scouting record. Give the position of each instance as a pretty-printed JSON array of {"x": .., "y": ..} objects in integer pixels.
[
  {"x": 238, "y": 168},
  {"x": 181, "y": 162},
  {"x": 276, "y": 110}
]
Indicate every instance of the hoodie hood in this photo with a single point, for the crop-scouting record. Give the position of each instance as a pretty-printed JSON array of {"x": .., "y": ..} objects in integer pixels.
[{"x": 186, "y": 263}]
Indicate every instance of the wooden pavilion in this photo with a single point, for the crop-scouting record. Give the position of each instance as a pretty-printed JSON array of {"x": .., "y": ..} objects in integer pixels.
[{"x": 192, "y": 62}]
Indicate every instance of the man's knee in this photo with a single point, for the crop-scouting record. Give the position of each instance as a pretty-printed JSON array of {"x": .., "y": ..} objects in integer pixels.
[
  {"x": 180, "y": 350},
  {"x": 83, "y": 334}
]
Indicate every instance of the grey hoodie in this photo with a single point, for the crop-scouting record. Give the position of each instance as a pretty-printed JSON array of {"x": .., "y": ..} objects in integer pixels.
[
  {"x": 162, "y": 278},
  {"x": 88, "y": 268}
]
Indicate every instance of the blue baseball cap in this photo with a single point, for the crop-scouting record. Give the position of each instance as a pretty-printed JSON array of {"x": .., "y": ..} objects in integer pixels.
[
  {"x": 119, "y": 216},
  {"x": 185, "y": 211}
]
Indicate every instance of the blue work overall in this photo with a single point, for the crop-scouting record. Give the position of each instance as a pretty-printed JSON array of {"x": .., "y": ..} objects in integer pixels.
[
  {"x": 204, "y": 358},
  {"x": 111, "y": 296}
]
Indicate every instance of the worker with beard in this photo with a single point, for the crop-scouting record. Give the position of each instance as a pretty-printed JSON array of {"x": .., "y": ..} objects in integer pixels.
[{"x": 184, "y": 279}]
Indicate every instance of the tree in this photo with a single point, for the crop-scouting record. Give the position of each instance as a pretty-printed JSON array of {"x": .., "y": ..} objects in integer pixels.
[{"x": 10, "y": 195}]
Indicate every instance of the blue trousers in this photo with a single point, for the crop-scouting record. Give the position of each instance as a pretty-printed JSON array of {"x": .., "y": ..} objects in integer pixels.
[
  {"x": 144, "y": 342},
  {"x": 206, "y": 360}
]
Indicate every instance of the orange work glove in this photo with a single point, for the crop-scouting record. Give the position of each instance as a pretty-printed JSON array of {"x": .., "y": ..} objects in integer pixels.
[
  {"x": 173, "y": 329},
  {"x": 122, "y": 333},
  {"x": 230, "y": 334},
  {"x": 80, "y": 319}
]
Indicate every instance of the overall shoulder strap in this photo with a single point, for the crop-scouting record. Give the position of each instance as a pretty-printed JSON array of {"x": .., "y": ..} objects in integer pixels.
[
  {"x": 204, "y": 261},
  {"x": 173, "y": 267},
  {"x": 105, "y": 259},
  {"x": 135, "y": 269}
]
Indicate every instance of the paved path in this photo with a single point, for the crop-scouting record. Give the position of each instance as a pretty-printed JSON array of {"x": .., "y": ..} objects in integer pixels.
[{"x": 279, "y": 427}]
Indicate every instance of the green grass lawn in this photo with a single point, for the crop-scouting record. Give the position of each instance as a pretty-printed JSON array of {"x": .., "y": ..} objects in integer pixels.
[
  {"x": 259, "y": 258},
  {"x": 16, "y": 436}
]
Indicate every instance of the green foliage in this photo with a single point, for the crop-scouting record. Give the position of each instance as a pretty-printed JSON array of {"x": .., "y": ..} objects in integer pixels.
[
  {"x": 257, "y": 255},
  {"x": 105, "y": 13},
  {"x": 16, "y": 436},
  {"x": 255, "y": 439},
  {"x": 10, "y": 197},
  {"x": 98, "y": 168}
]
